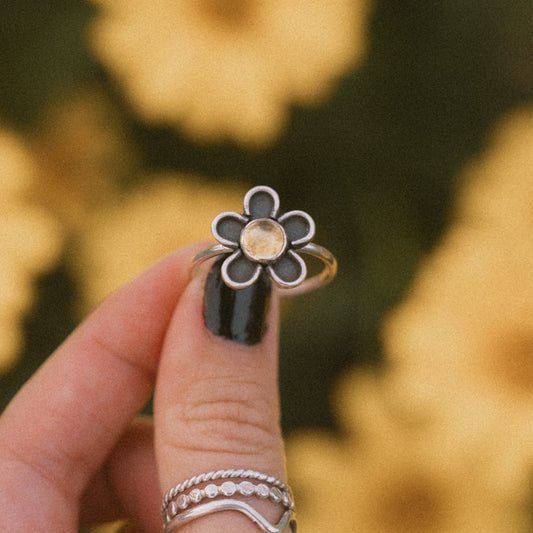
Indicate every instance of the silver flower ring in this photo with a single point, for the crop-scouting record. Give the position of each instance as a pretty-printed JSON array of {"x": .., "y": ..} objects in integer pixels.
[{"x": 260, "y": 240}]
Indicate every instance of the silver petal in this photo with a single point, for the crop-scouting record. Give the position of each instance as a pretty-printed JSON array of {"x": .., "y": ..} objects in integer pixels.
[
  {"x": 261, "y": 202},
  {"x": 299, "y": 227},
  {"x": 227, "y": 227},
  {"x": 289, "y": 271},
  {"x": 238, "y": 272}
]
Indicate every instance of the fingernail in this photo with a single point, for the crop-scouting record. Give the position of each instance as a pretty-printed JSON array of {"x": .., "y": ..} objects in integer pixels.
[{"x": 239, "y": 316}]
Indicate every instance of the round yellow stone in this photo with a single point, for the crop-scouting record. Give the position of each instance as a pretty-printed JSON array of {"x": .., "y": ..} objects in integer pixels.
[{"x": 263, "y": 240}]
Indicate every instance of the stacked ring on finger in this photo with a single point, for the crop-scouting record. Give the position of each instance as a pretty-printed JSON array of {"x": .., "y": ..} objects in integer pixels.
[{"x": 200, "y": 495}]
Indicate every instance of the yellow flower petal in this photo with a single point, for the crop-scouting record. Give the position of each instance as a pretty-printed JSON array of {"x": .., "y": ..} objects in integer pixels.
[
  {"x": 228, "y": 69},
  {"x": 126, "y": 236},
  {"x": 30, "y": 243}
]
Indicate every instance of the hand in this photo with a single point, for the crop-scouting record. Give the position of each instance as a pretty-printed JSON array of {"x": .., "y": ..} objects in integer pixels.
[{"x": 74, "y": 452}]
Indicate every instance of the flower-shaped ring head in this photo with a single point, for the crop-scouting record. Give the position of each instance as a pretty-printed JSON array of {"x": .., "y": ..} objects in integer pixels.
[{"x": 261, "y": 240}]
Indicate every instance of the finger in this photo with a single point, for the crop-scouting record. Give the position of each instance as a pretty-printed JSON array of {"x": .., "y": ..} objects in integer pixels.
[
  {"x": 216, "y": 403},
  {"x": 58, "y": 430},
  {"x": 127, "y": 485}
]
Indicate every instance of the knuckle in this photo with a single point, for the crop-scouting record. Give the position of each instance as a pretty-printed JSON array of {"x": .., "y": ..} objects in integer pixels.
[{"x": 233, "y": 418}]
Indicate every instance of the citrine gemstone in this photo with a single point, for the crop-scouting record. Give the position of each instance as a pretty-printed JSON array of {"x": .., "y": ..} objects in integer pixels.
[{"x": 263, "y": 240}]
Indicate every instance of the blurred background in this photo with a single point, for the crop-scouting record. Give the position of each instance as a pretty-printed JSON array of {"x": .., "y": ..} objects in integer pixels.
[{"x": 404, "y": 128}]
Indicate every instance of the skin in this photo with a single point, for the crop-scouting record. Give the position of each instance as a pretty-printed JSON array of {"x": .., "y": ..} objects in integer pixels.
[{"x": 72, "y": 448}]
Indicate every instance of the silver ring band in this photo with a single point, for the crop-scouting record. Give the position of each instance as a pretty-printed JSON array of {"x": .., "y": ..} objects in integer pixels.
[
  {"x": 226, "y": 489},
  {"x": 232, "y": 505},
  {"x": 319, "y": 252},
  {"x": 215, "y": 475}
]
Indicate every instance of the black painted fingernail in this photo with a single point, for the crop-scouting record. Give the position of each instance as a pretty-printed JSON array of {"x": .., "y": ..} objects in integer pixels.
[{"x": 240, "y": 315}]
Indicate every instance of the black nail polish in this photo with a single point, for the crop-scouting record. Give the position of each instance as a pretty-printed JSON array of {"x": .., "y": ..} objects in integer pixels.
[{"x": 240, "y": 315}]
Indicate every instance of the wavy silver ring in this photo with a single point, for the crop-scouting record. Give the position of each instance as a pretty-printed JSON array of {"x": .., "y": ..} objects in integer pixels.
[
  {"x": 260, "y": 240},
  {"x": 233, "y": 505}
]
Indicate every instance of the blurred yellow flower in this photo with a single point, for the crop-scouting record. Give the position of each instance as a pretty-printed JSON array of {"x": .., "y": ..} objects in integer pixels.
[
  {"x": 470, "y": 311},
  {"x": 498, "y": 186},
  {"x": 442, "y": 440},
  {"x": 383, "y": 476},
  {"x": 83, "y": 155},
  {"x": 228, "y": 68},
  {"x": 30, "y": 242},
  {"x": 130, "y": 233},
  {"x": 461, "y": 344}
]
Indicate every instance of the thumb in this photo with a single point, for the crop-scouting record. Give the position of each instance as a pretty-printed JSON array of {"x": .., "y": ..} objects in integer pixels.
[{"x": 216, "y": 404}]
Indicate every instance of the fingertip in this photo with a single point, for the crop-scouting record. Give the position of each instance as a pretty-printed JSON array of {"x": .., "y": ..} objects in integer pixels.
[{"x": 220, "y": 322}]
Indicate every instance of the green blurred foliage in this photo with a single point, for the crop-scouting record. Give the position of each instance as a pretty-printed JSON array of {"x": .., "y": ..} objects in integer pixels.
[{"x": 376, "y": 165}]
